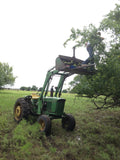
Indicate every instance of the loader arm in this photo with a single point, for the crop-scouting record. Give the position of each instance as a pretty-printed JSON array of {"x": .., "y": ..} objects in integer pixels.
[
  {"x": 60, "y": 84},
  {"x": 49, "y": 75}
]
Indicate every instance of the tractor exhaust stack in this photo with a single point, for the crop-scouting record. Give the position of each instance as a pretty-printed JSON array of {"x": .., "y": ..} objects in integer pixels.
[{"x": 74, "y": 52}]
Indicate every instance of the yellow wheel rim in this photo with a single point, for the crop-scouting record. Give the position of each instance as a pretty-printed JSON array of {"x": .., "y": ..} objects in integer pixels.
[
  {"x": 42, "y": 125},
  {"x": 18, "y": 112}
]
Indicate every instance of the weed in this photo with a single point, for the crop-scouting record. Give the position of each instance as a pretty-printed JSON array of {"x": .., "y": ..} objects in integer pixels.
[
  {"x": 102, "y": 156},
  {"x": 53, "y": 149}
]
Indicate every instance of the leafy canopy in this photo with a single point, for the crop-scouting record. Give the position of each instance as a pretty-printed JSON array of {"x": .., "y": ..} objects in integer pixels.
[{"x": 6, "y": 75}]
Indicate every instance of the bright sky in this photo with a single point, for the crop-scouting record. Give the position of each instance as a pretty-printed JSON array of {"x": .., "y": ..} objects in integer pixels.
[{"x": 32, "y": 33}]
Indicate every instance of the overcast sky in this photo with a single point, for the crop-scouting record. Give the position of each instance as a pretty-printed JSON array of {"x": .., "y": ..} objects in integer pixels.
[{"x": 32, "y": 33}]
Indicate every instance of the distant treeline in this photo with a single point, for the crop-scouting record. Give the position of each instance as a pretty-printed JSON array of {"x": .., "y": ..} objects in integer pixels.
[{"x": 33, "y": 88}]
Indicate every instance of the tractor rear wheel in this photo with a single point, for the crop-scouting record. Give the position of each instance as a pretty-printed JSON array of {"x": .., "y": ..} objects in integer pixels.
[
  {"x": 21, "y": 109},
  {"x": 68, "y": 122},
  {"x": 45, "y": 124}
]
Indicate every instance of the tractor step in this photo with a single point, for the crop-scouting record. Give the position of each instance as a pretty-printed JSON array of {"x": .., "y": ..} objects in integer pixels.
[{"x": 73, "y": 65}]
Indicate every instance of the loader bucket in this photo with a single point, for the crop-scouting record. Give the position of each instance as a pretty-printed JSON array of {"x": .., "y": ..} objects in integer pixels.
[{"x": 72, "y": 65}]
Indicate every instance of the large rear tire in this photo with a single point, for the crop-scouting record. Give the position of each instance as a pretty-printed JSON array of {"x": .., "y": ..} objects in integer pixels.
[
  {"x": 21, "y": 109},
  {"x": 45, "y": 124},
  {"x": 68, "y": 122}
]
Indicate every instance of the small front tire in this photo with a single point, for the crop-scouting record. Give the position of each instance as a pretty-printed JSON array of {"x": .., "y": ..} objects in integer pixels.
[
  {"x": 45, "y": 124},
  {"x": 68, "y": 122}
]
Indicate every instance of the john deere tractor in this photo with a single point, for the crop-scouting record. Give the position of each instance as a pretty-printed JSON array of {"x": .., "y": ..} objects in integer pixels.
[{"x": 48, "y": 108}]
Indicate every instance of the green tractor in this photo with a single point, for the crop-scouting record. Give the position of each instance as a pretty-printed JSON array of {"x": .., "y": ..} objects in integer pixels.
[{"x": 49, "y": 108}]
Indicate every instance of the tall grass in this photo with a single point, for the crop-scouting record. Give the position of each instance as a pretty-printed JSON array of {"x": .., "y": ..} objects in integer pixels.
[{"x": 96, "y": 136}]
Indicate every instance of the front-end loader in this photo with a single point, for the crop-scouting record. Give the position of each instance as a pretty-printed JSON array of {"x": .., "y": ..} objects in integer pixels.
[{"x": 48, "y": 108}]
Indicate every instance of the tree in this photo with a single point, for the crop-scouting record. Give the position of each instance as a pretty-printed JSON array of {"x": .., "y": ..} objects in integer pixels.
[
  {"x": 40, "y": 89},
  {"x": 64, "y": 91},
  {"x": 112, "y": 23},
  {"x": 28, "y": 88},
  {"x": 6, "y": 75},
  {"x": 23, "y": 88},
  {"x": 107, "y": 60},
  {"x": 34, "y": 88}
]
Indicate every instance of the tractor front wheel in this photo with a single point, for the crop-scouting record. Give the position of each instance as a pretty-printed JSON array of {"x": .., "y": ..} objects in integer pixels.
[
  {"x": 45, "y": 124},
  {"x": 68, "y": 122}
]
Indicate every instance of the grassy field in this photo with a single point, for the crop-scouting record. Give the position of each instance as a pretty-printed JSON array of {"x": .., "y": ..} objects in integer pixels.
[{"x": 96, "y": 136}]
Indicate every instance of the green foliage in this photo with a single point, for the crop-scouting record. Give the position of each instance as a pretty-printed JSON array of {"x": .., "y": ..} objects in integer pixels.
[
  {"x": 23, "y": 88},
  {"x": 112, "y": 22},
  {"x": 40, "y": 89},
  {"x": 88, "y": 34},
  {"x": 6, "y": 75},
  {"x": 33, "y": 88},
  {"x": 64, "y": 91}
]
